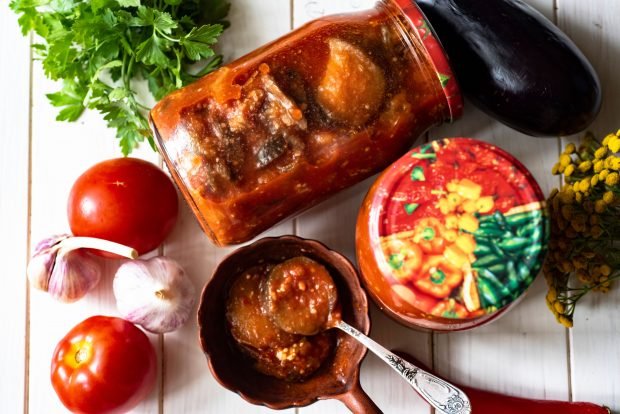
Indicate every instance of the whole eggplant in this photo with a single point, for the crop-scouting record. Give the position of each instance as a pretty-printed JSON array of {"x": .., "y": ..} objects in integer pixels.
[{"x": 516, "y": 65}]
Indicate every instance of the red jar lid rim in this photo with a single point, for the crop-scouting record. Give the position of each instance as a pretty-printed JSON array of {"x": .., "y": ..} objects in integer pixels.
[
  {"x": 458, "y": 229},
  {"x": 437, "y": 54}
]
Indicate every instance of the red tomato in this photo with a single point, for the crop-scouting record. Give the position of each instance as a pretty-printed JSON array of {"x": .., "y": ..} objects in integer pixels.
[
  {"x": 103, "y": 365},
  {"x": 125, "y": 200}
]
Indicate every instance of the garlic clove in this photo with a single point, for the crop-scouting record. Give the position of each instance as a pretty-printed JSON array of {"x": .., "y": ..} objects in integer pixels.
[
  {"x": 155, "y": 294},
  {"x": 42, "y": 262},
  {"x": 75, "y": 274}
]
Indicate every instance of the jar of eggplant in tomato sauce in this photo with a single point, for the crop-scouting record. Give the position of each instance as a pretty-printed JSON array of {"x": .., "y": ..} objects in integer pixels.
[{"x": 318, "y": 110}]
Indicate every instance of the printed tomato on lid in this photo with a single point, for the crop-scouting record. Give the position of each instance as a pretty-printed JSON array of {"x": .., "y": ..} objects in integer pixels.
[{"x": 451, "y": 235}]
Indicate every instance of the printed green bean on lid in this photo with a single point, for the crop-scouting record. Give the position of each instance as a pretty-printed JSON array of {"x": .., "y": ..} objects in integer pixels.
[{"x": 451, "y": 235}]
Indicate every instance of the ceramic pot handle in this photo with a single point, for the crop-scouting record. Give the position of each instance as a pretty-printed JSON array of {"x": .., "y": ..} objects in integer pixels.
[{"x": 358, "y": 401}]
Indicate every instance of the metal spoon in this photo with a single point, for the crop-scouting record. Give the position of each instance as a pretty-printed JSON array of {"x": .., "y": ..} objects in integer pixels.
[{"x": 301, "y": 297}]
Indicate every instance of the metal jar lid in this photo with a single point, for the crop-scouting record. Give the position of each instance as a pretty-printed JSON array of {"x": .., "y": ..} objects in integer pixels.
[
  {"x": 429, "y": 40},
  {"x": 451, "y": 234}
]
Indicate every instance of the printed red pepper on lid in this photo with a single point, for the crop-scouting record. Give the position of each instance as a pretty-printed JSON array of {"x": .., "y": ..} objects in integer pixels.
[{"x": 451, "y": 235}]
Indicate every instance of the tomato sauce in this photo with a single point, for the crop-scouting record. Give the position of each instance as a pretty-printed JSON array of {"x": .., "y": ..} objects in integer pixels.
[
  {"x": 273, "y": 351},
  {"x": 299, "y": 119}
]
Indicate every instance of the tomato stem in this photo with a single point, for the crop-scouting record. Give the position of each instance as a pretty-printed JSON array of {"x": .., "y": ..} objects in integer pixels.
[
  {"x": 73, "y": 243},
  {"x": 81, "y": 355}
]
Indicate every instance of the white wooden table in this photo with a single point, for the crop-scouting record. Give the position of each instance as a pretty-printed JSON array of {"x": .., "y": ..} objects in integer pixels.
[{"x": 525, "y": 353}]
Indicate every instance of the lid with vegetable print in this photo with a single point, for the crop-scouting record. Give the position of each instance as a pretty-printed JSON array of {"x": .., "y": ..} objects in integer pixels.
[{"x": 451, "y": 234}]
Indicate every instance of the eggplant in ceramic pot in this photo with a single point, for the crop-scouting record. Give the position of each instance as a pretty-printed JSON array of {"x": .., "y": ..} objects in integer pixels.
[{"x": 516, "y": 65}]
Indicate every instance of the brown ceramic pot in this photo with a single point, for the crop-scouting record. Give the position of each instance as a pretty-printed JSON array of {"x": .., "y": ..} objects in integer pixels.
[{"x": 338, "y": 377}]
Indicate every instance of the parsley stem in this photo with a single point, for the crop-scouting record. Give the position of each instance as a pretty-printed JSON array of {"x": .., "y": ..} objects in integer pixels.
[{"x": 162, "y": 34}]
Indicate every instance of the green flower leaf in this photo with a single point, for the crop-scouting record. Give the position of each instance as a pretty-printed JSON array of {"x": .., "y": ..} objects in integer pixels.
[
  {"x": 444, "y": 79},
  {"x": 410, "y": 208},
  {"x": 396, "y": 261},
  {"x": 417, "y": 174}
]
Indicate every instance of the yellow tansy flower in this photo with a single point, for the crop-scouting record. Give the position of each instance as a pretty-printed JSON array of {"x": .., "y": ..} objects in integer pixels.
[
  {"x": 614, "y": 144},
  {"x": 567, "y": 195},
  {"x": 608, "y": 197},
  {"x": 596, "y": 231},
  {"x": 600, "y": 206},
  {"x": 570, "y": 148},
  {"x": 568, "y": 323},
  {"x": 565, "y": 160},
  {"x": 612, "y": 179},
  {"x": 578, "y": 197},
  {"x": 594, "y": 180},
  {"x": 567, "y": 212},
  {"x": 603, "y": 174},
  {"x": 606, "y": 270},
  {"x": 583, "y": 167},
  {"x": 584, "y": 185},
  {"x": 607, "y": 139},
  {"x": 556, "y": 169},
  {"x": 569, "y": 170},
  {"x": 598, "y": 166},
  {"x": 600, "y": 153}
]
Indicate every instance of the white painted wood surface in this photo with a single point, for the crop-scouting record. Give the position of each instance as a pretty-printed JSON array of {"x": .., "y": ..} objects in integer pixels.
[
  {"x": 595, "y": 354},
  {"x": 525, "y": 353}
]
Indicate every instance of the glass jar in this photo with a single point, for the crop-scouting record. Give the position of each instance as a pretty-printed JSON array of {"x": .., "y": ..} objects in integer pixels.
[
  {"x": 451, "y": 235},
  {"x": 318, "y": 110}
]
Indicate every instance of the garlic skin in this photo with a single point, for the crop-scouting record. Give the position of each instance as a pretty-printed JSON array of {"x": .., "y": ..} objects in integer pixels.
[
  {"x": 155, "y": 294},
  {"x": 43, "y": 260},
  {"x": 75, "y": 274}
]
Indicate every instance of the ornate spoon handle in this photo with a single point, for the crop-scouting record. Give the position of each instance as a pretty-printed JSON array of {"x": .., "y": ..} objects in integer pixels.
[{"x": 445, "y": 397}]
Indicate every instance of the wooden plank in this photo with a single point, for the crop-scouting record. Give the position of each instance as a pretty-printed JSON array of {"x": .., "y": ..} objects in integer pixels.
[
  {"x": 306, "y": 10},
  {"x": 595, "y": 356},
  {"x": 60, "y": 153},
  {"x": 188, "y": 384},
  {"x": 333, "y": 222},
  {"x": 524, "y": 353},
  {"x": 14, "y": 170}
]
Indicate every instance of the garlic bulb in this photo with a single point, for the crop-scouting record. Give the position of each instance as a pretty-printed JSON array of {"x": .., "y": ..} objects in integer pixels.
[
  {"x": 60, "y": 267},
  {"x": 75, "y": 274},
  {"x": 43, "y": 260},
  {"x": 155, "y": 294}
]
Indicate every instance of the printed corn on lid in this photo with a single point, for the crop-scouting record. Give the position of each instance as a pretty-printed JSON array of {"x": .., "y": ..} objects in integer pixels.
[{"x": 461, "y": 228}]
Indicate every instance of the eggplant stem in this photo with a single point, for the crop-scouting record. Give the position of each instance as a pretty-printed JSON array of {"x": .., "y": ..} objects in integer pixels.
[{"x": 74, "y": 243}]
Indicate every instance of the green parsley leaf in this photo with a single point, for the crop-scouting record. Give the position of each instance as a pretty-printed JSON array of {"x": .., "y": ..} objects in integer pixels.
[
  {"x": 71, "y": 99},
  {"x": 128, "y": 3},
  {"x": 198, "y": 42},
  {"x": 150, "y": 52},
  {"x": 100, "y": 49}
]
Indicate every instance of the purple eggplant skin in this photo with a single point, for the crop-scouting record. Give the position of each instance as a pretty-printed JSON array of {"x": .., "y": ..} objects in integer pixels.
[{"x": 516, "y": 65}]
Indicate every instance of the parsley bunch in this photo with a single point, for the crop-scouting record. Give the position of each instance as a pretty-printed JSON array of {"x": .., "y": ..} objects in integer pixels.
[{"x": 100, "y": 48}]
